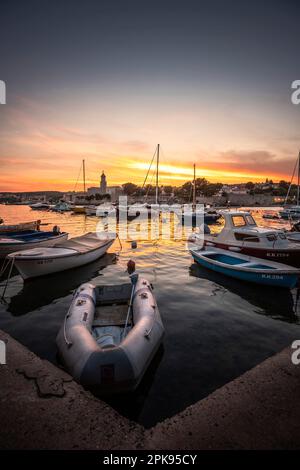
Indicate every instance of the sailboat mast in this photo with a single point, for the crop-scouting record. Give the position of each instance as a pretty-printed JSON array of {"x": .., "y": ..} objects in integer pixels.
[
  {"x": 157, "y": 164},
  {"x": 298, "y": 179},
  {"x": 194, "y": 189},
  {"x": 83, "y": 170}
]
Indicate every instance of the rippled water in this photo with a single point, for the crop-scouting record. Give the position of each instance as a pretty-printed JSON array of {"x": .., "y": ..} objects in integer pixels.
[{"x": 216, "y": 327}]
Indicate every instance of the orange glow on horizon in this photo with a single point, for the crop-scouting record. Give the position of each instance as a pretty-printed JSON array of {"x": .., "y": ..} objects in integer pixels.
[{"x": 134, "y": 172}]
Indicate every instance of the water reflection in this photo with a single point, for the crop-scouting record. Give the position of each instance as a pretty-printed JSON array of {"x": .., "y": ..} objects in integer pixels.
[
  {"x": 216, "y": 327},
  {"x": 43, "y": 291},
  {"x": 132, "y": 404},
  {"x": 276, "y": 303}
]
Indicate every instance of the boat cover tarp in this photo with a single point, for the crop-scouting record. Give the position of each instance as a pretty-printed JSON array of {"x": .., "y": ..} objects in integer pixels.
[{"x": 83, "y": 244}]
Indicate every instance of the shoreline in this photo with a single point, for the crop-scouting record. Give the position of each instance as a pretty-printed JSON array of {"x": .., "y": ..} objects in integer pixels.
[{"x": 43, "y": 408}]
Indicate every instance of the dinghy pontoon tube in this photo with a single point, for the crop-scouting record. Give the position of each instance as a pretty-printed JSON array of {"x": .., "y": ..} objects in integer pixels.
[{"x": 92, "y": 342}]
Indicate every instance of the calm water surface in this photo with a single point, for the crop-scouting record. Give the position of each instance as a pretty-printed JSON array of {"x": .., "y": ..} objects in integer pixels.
[{"x": 216, "y": 327}]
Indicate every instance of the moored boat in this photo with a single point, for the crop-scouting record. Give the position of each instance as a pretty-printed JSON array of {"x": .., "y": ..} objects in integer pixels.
[
  {"x": 32, "y": 239},
  {"x": 292, "y": 212},
  {"x": 61, "y": 207},
  {"x": 22, "y": 227},
  {"x": 242, "y": 235},
  {"x": 247, "y": 268},
  {"x": 106, "y": 345},
  {"x": 69, "y": 254},
  {"x": 78, "y": 209},
  {"x": 40, "y": 206},
  {"x": 90, "y": 210},
  {"x": 197, "y": 217},
  {"x": 270, "y": 216}
]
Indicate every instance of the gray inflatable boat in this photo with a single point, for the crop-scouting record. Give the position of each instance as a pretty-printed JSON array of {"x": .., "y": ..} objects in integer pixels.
[{"x": 110, "y": 335}]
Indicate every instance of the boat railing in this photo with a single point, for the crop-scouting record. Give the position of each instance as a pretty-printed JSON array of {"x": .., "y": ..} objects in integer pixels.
[{"x": 251, "y": 238}]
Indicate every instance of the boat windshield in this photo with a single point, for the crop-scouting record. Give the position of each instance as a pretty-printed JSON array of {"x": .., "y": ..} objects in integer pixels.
[
  {"x": 238, "y": 220},
  {"x": 243, "y": 220},
  {"x": 250, "y": 220}
]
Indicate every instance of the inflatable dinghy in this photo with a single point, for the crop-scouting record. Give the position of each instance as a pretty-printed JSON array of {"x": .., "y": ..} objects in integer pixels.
[{"x": 110, "y": 335}]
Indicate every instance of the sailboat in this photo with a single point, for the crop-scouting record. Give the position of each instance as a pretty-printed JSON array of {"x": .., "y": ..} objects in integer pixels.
[
  {"x": 81, "y": 209},
  {"x": 293, "y": 212},
  {"x": 143, "y": 209},
  {"x": 193, "y": 216}
]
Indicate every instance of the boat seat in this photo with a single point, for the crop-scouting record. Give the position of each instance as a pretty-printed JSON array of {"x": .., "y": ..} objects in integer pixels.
[
  {"x": 106, "y": 341},
  {"x": 113, "y": 294},
  {"x": 108, "y": 336},
  {"x": 110, "y": 315}
]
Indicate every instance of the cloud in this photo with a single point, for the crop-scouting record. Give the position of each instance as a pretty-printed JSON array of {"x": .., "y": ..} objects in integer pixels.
[{"x": 257, "y": 162}]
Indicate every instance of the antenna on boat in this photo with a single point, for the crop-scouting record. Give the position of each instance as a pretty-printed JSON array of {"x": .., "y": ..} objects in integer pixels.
[
  {"x": 194, "y": 190},
  {"x": 157, "y": 164},
  {"x": 83, "y": 170},
  {"x": 291, "y": 182}
]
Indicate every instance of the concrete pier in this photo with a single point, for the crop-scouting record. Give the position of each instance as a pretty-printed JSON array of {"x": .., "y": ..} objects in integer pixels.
[{"x": 41, "y": 407}]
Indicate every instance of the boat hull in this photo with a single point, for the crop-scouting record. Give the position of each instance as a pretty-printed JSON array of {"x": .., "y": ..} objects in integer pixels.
[
  {"x": 289, "y": 257},
  {"x": 7, "y": 248},
  {"x": 284, "y": 280},
  {"x": 31, "y": 268},
  {"x": 19, "y": 227},
  {"x": 78, "y": 210}
]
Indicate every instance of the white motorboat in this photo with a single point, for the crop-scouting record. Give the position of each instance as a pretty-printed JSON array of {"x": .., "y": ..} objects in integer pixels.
[
  {"x": 292, "y": 212},
  {"x": 241, "y": 234},
  {"x": 40, "y": 206},
  {"x": 70, "y": 254},
  {"x": 105, "y": 344}
]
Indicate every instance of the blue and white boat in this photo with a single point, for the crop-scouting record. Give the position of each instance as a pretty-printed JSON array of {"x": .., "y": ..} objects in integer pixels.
[
  {"x": 247, "y": 268},
  {"x": 24, "y": 240}
]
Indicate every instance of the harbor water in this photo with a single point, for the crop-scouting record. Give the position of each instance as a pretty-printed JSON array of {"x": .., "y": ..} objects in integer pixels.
[{"x": 216, "y": 327}]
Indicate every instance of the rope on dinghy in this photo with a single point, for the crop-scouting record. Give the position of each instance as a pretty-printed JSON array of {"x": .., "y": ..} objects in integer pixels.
[{"x": 128, "y": 311}]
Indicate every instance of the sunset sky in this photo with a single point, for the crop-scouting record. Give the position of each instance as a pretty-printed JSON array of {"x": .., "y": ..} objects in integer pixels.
[{"x": 106, "y": 80}]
